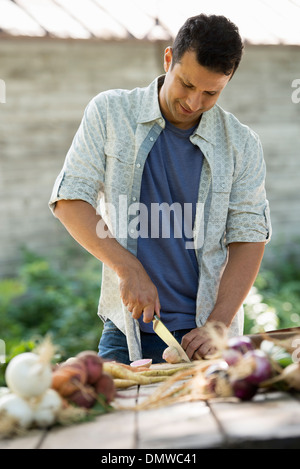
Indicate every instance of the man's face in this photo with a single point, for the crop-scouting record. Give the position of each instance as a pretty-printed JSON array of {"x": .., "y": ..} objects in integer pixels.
[{"x": 189, "y": 90}]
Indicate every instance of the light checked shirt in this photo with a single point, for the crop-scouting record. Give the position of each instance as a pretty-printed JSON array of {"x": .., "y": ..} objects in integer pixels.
[{"x": 104, "y": 167}]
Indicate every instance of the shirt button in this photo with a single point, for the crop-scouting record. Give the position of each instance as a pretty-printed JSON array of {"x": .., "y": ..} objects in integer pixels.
[
  {"x": 151, "y": 139},
  {"x": 134, "y": 199},
  {"x": 138, "y": 165},
  {"x": 132, "y": 230}
]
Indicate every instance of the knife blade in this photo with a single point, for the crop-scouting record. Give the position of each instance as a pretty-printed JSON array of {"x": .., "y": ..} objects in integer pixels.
[{"x": 163, "y": 332}]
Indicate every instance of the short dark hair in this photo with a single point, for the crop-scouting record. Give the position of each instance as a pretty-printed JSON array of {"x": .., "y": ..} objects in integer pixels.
[{"x": 215, "y": 40}]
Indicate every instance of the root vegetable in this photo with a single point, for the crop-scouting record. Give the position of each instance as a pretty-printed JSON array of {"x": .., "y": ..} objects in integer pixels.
[
  {"x": 218, "y": 379},
  {"x": 27, "y": 375},
  {"x": 67, "y": 378},
  {"x": 93, "y": 364},
  {"x": 171, "y": 355},
  {"x": 290, "y": 375},
  {"x": 146, "y": 363},
  {"x": 105, "y": 386},
  {"x": 118, "y": 371},
  {"x": 262, "y": 368},
  {"x": 231, "y": 356},
  {"x": 242, "y": 344},
  {"x": 85, "y": 397},
  {"x": 15, "y": 407},
  {"x": 243, "y": 390},
  {"x": 124, "y": 383},
  {"x": 168, "y": 372},
  {"x": 135, "y": 369},
  {"x": 47, "y": 409}
]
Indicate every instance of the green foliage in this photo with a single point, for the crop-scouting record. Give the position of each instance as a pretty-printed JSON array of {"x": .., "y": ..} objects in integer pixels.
[
  {"x": 52, "y": 298},
  {"x": 274, "y": 302}
]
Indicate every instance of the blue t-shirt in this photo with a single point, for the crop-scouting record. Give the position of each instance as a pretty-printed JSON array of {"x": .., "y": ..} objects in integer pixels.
[{"x": 169, "y": 192}]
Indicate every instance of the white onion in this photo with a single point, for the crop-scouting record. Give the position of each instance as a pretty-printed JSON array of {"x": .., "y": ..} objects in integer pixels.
[
  {"x": 18, "y": 408},
  {"x": 45, "y": 412},
  {"x": 4, "y": 390},
  {"x": 27, "y": 376}
]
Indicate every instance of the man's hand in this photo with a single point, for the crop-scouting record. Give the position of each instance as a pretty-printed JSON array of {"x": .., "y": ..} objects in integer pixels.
[
  {"x": 239, "y": 274},
  {"x": 197, "y": 343},
  {"x": 138, "y": 293}
]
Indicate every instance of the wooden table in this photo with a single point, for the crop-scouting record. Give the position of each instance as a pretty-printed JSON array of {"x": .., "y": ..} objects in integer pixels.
[{"x": 270, "y": 420}]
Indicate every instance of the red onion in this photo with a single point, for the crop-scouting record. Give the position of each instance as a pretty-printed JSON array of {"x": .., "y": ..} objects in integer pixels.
[
  {"x": 231, "y": 356},
  {"x": 243, "y": 389},
  {"x": 262, "y": 366},
  {"x": 242, "y": 344}
]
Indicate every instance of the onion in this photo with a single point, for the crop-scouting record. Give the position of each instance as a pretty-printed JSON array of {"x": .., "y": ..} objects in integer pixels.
[
  {"x": 243, "y": 389},
  {"x": 106, "y": 386},
  {"x": 216, "y": 368},
  {"x": 85, "y": 397},
  {"x": 171, "y": 355},
  {"x": 218, "y": 379},
  {"x": 17, "y": 408},
  {"x": 27, "y": 376},
  {"x": 68, "y": 378},
  {"x": 47, "y": 409},
  {"x": 231, "y": 356},
  {"x": 242, "y": 344},
  {"x": 262, "y": 368},
  {"x": 93, "y": 364},
  {"x": 291, "y": 375}
]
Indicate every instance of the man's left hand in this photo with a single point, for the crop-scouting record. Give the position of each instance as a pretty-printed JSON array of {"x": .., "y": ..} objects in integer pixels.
[{"x": 197, "y": 343}]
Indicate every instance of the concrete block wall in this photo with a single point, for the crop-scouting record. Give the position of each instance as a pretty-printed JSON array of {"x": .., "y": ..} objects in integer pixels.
[{"x": 49, "y": 83}]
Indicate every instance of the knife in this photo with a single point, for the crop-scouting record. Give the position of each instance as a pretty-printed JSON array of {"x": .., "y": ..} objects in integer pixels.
[{"x": 163, "y": 332}]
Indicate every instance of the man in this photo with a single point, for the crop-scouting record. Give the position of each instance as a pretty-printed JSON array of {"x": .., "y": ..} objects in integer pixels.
[{"x": 163, "y": 149}]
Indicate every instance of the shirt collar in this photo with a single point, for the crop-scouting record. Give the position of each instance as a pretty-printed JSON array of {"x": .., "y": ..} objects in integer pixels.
[
  {"x": 206, "y": 127},
  {"x": 150, "y": 111}
]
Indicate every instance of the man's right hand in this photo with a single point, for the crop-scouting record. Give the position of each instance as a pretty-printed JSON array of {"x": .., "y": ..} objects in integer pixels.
[{"x": 138, "y": 292}]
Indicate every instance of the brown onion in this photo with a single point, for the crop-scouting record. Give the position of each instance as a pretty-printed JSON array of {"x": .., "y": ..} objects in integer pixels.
[
  {"x": 93, "y": 364},
  {"x": 84, "y": 397},
  {"x": 105, "y": 386},
  {"x": 67, "y": 378}
]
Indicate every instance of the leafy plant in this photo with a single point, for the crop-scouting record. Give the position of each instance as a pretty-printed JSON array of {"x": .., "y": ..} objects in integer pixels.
[
  {"x": 274, "y": 301},
  {"x": 52, "y": 298}
]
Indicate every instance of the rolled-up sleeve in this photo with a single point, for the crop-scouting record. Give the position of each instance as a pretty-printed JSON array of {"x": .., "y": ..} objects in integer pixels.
[
  {"x": 249, "y": 213},
  {"x": 82, "y": 175}
]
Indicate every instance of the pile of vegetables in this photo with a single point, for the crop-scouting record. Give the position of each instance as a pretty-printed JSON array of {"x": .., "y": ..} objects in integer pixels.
[
  {"x": 82, "y": 380},
  {"x": 125, "y": 376},
  {"x": 40, "y": 394},
  {"x": 237, "y": 370}
]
